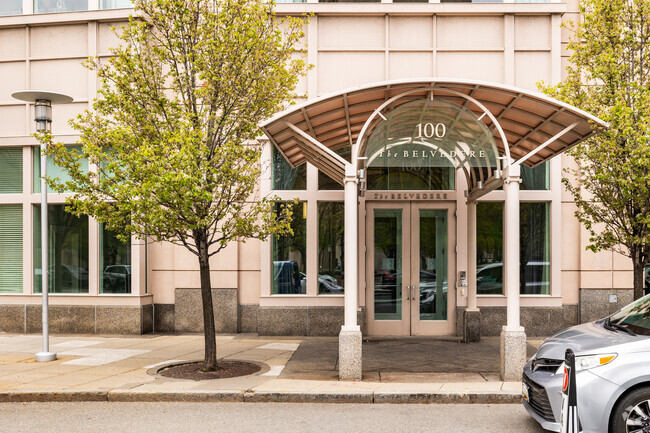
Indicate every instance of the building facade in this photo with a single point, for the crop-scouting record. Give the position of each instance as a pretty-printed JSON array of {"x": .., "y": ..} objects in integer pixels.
[{"x": 412, "y": 219}]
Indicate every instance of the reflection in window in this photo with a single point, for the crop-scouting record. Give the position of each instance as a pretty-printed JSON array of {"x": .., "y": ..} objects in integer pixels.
[
  {"x": 114, "y": 263},
  {"x": 489, "y": 248},
  {"x": 115, "y": 4},
  {"x": 52, "y": 6},
  {"x": 53, "y": 170},
  {"x": 283, "y": 177},
  {"x": 11, "y": 248},
  {"x": 11, "y": 7},
  {"x": 67, "y": 251},
  {"x": 388, "y": 264},
  {"x": 327, "y": 183},
  {"x": 289, "y": 254},
  {"x": 535, "y": 178},
  {"x": 11, "y": 170},
  {"x": 420, "y": 178},
  {"x": 330, "y": 248},
  {"x": 534, "y": 247}
]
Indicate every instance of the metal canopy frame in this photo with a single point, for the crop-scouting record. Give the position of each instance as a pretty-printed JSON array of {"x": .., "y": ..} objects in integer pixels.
[{"x": 529, "y": 128}]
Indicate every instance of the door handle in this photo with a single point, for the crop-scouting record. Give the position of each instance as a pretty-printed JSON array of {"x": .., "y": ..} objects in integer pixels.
[{"x": 408, "y": 292}]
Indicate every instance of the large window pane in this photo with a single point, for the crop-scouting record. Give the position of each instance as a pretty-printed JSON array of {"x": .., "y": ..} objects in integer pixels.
[
  {"x": 11, "y": 248},
  {"x": 53, "y": 170},
  {"x": 11, "y": 7},
  {"x": 535, "y": 178},
  {"x": 11, "y": 170},
  {"x": 327, "y": 183},
  {"x": 489, "y": 248},
  {"x": 388, "y": 264},
  {"x": 417, "y": 178},
  {"x": 534, "y": 246},
  {"x": 115, "y": 4},
  {"x": 283, "y": 177},
  {"x": 114, "y": 263},
  {"x": 67, "y": 251},
  {"x": 330, "y": 248},
  {"x": 52, "y": 6},
  {"x": 289, "y": 255}
]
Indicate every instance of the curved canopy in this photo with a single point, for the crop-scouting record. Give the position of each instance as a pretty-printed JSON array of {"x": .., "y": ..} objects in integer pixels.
[{"x": 536, "y": 127}]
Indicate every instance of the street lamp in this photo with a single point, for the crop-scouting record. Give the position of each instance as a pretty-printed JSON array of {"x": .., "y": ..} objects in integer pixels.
[{"x": 43, "y": 117}]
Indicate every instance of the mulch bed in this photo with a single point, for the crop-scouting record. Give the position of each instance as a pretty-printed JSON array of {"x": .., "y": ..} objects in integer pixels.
[{"x": 194, "y": 370}]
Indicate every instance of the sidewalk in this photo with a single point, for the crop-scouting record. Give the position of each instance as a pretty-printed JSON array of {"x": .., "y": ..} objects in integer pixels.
[{"x": 303, "y": 369}]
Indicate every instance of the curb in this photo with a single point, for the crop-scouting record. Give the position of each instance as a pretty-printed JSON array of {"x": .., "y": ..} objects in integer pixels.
[{"x": 132, "y": 396}]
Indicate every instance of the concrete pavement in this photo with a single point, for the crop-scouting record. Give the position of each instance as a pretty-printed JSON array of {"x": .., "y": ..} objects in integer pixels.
[{"x": 123, "y": 368}]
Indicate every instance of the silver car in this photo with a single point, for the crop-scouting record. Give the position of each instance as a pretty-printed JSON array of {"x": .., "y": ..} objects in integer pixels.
[{"x": 613, "y": 373}]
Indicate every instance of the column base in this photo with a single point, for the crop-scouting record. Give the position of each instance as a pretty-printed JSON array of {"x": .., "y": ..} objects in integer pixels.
[
  {"x": 45, "y": 356},
  {"x": 471, "y": 326},
  {"x": 350, "y": 354},
  {"x": 513, "y": 353}
]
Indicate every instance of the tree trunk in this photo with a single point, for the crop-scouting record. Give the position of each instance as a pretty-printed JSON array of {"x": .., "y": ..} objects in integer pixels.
[
  {"x": 639, "y": 274},
  {"x": 210, "y": 362}
]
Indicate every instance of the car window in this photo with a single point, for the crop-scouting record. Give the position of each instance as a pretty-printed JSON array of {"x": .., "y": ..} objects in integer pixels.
[{"x": 636, "y": 316}]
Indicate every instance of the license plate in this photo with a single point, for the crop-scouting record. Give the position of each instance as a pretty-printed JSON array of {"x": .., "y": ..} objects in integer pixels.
[{"x": 524, "y": 391}]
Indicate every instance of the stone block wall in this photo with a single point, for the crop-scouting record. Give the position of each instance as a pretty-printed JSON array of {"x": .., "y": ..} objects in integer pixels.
[
  {"x": 78, "y": 319},
  {"x": 596, "y": 304}
]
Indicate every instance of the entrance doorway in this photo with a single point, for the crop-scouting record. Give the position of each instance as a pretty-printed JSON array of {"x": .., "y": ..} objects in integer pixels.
[{"x": 410, "y": 268}]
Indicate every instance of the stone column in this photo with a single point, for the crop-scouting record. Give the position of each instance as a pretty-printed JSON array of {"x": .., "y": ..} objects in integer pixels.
[
  {"x": 350, "y": 335},
  {"x": 513, "y": 337},
  {"x": 472, "y": 315}
]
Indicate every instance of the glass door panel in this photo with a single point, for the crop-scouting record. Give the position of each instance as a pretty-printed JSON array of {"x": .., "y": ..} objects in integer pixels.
[
  {"x": 433, "y": 264},
  {"x": 388, "y": 264}
]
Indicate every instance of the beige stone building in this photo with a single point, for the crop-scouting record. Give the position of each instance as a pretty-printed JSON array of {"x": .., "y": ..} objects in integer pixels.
[{"x": 413, "y": 255}]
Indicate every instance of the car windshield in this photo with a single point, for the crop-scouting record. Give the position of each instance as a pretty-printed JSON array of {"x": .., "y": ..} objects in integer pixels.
[{"x": 635, "y": 316}]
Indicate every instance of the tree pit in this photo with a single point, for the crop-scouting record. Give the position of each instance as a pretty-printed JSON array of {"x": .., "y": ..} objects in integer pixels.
[{"x": 194, "y": 370}]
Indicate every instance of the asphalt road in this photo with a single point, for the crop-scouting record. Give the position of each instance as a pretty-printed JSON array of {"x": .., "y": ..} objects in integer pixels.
[{"x": 262, "y": 417}]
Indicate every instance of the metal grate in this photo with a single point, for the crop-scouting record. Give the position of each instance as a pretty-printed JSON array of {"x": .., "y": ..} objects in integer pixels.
[{"x": 538, "y": 400}]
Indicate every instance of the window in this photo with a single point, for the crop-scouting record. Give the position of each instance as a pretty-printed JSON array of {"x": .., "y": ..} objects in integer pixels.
[
  {"x": 11, "y": 7},
  {"x": 489, "y": 248},
  {"x": 327, "y": 183},
  {"x": 114, "y": 263},
  {"x": 535, "y": 178},
  {"x": 67, "y": 251},
  {"x": 11, "y": 170},
  {"x": 11, "y": 248},
  {"x": 52, "y": 6},
  {"x": 534, "y": 246},
  {"x": 53, "y": 170},
  {"x": 330, "y": 248},
  {"x": 289, "y": 254},
  {"x": 283, "y": 177},
  {"x": 115, "y": 4}
]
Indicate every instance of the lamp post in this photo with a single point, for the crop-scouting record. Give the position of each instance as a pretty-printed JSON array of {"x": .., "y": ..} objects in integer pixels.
[{"x": 43, "y": 117}]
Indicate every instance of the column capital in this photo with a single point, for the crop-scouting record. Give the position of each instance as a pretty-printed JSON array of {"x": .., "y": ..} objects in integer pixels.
[{"x": 350, "y": 173}]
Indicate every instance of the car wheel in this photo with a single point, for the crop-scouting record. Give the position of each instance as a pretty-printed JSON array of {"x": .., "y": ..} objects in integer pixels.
[{"x": 632, "y": 412}]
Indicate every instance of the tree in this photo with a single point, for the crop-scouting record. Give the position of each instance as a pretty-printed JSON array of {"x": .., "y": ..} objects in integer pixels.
[
  {"x": 609, "y": 76},
  {"x": 171, "y": 132}
]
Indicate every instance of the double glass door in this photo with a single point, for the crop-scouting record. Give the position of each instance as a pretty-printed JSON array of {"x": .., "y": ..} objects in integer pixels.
[{"x": 410, "y": 273}]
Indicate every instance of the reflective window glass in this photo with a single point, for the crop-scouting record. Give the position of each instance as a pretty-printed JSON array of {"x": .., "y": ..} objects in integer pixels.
[
  {"x": 289, "y": 255},
  {"x": 534, "y": 246},
  {"x": 11, "y": 7},
  {"x": 115, "y": 4},
  {"x": 330, "y": 248},
  {"x": 11, "y": 170},
  {"x": 535, "y": 178},
  {"x": 327, "y": 183},
  {"x": 114, "y": 263},
  {"x": 53, "y": 6},
  {"x": 53, "y": 170},
  {"x": 67, "y": 250},
  {"x": 388, "y": 264},
  {"x": 283, "y": 177},
  {"x": 489, "y": 248}
]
